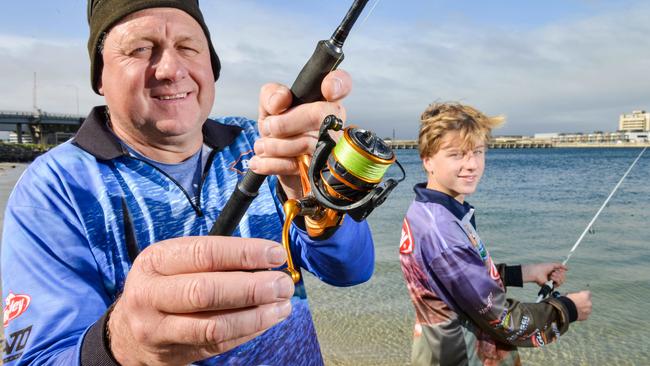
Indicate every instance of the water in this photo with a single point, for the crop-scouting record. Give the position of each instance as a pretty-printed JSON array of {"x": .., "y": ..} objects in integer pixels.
[{"x": 532, "y": 205}]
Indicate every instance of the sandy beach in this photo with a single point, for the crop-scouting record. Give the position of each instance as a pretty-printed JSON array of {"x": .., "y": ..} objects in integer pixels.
[
  {"x": 4, "y": 167},
  {"x": 9, "y": 174}
]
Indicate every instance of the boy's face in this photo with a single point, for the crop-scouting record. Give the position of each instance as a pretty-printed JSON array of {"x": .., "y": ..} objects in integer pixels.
[{"x": 453, "y": 171}]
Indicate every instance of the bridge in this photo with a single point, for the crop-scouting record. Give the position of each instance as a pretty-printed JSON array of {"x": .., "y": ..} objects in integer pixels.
[
  {"x": 44, "y": 128},
  {"x": 493, "y": 144},
  {"x": 402, "y": 144}
]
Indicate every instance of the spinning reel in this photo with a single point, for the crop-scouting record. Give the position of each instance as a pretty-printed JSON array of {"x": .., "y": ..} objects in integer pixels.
[{"x": 342, "y": 178}]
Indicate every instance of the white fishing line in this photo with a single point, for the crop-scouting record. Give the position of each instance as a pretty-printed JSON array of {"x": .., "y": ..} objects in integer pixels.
[{"x": 575, "y": 246}]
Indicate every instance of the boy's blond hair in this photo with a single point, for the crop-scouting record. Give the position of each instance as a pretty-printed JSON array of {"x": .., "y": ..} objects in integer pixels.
[{"x": 440, "y": 118}]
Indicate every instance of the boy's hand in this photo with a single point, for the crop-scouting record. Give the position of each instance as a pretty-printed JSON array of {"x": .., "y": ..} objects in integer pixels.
[
  {"x": 582, "y": 300},
  {"x": 542, "y": 272}
]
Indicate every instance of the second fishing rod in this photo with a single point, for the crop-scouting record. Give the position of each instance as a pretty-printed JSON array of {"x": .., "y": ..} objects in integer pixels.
[{"x": 548, "y": 288}]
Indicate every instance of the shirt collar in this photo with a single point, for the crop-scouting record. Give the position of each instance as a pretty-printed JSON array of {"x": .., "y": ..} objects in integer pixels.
[
  {"x": 423, "y": 194},
  {"x": 95, "y": 137}
]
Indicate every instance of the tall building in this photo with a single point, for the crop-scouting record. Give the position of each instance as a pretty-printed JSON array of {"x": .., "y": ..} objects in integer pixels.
[{"x": 637, "y": 121}]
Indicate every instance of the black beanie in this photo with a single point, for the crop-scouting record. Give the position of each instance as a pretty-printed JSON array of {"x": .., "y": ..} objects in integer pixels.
[{"x": 103, "y": 14}]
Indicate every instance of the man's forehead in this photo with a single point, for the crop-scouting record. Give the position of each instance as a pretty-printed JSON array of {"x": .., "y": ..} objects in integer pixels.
[{"x": 151, "y": 21}]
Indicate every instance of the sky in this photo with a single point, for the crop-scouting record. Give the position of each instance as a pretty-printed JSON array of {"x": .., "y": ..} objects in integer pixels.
[{"x": 551, "y": 66}]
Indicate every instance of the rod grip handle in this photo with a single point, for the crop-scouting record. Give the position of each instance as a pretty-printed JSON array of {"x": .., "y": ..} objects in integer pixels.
[
  {"x": 544, "y": 291},
  {"x": 237, "y": 204},
  {"x": 307, "y": 86}
]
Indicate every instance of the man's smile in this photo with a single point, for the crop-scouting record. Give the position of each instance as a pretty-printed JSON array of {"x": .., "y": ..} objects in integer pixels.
[{"x": 176, "y": 96}]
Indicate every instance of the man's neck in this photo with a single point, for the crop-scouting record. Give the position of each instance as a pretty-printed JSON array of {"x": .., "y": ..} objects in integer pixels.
[{"x": 169, "y": 150}]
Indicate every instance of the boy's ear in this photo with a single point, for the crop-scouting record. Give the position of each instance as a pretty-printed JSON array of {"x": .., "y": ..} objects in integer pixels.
[{"x": 428, "y": 164}]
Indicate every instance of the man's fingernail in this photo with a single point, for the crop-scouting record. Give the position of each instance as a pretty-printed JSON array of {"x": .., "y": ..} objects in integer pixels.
[
  {"x": 259, "y": 147},
  {"x": 266, "y": 126},
  {"x": 252, "y": 163},
  {"x": 274, "y": 100},
  {"x": 337, "y": 87},
  {"x": 276, "y": 255},
  {"x": 283, "y": 309},
  {"x": 283, "y": 287}
]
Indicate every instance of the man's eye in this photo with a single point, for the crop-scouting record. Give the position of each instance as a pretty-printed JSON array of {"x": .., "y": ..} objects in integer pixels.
[
  {"x": 478, "y": 152},
  {"x": 140, "y": 51},
  {"x": 189, "y": 50}
]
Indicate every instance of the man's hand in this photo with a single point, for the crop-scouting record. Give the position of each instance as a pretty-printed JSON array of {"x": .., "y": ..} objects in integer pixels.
[
  {"x": 288, "y": 133},
  {"x": 186, "y": 299},
  {"x": 542, "y": 272},
  {"x": 582, "y": 300}
]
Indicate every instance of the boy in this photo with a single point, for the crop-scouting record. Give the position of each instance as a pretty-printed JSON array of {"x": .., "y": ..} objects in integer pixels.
[{"x": 462, "y": 313}]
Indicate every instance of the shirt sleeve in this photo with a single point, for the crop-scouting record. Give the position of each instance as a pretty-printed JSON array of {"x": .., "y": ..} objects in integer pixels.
[
  {"x": 461, "y": 271},
  {"x": 51, "y": 284},
  {"x": 345, "y": 258},
  {"x": 511, "y": 275}
]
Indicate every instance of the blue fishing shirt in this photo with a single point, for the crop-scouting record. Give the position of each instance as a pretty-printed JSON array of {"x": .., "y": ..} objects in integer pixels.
[{"x": 81, "y": 213}]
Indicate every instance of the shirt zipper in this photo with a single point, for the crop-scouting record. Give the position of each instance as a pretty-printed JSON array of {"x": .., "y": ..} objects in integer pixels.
[{"x": 197, "y": 208}]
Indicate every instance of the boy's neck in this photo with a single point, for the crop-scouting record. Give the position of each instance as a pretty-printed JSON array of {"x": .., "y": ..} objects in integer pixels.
[{"x": 436, "y": 187}]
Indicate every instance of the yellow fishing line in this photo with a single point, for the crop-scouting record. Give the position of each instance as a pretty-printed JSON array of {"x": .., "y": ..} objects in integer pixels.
[{"x": 357, "y": 164}]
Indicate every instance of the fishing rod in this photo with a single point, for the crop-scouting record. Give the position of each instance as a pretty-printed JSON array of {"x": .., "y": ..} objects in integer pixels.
[
  {"x": 547, "y": 288},
  {"x": 305, "y": 89}
]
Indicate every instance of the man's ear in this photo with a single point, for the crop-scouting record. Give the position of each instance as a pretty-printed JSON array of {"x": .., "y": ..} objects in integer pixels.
[{"x": 100, "y": 87}]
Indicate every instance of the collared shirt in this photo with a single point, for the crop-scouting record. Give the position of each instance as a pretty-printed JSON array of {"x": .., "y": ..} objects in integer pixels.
[
  {"x": 463, "y": 316},
  {"x": 82, "y": 212}
]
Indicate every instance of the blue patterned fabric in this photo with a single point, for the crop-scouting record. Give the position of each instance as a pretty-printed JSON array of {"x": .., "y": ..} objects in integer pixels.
[{"x": 64, "y": 250}]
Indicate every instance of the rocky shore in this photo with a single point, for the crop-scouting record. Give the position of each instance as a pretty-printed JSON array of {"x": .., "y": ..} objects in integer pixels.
[{"x": 21, "y": 152}]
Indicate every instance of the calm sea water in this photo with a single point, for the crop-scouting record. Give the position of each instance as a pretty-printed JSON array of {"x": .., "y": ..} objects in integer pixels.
[{"x": 532, "y": 205}]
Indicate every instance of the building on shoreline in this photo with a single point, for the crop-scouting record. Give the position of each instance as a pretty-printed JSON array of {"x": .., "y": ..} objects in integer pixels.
[{"x": 637, "y": 121}]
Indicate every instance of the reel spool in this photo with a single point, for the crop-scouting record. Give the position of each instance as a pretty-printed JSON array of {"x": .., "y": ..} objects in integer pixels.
[{"x": 346, "y": 176}]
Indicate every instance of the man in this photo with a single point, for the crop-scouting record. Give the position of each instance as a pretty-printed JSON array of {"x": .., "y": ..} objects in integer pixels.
[{"x": 104, "y": 253}]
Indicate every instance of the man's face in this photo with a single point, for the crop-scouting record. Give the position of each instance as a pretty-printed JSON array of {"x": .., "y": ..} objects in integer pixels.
[
  {"x": 157, "y": 77},
  {"x": 455, "y": 172}
]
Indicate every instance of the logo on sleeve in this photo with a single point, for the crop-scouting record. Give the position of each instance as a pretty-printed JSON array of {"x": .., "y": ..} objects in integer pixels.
[
  {"x": 14, "y": 306},
  {"x": 406, "y": 241},
  {"x": 538, "y": 339},
  {"x": 494, "y": 272},
  {"x": 15, "y": 343},
  {"x": 240, "y": 166}
]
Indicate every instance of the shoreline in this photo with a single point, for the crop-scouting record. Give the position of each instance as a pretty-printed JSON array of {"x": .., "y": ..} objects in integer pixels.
[
  {"x": 541, "y": 144},
  {"x": 5, "y": 167}
]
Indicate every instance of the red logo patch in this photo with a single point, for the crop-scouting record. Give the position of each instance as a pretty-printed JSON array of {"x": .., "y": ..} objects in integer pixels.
[
  {"x": 14, "y": 306},
  {"x": 494, "y": 273},
  {"x": 406, "y": 241}
]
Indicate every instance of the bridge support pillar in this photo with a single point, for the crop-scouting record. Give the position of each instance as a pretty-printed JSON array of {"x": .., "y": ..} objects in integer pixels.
[{"x": 19, "y": 132}]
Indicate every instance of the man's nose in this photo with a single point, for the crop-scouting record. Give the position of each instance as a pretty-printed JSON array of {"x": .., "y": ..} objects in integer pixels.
[{"x": 170, "y": 67}]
